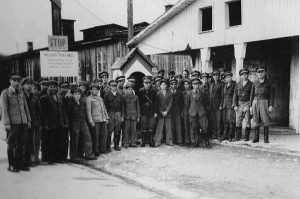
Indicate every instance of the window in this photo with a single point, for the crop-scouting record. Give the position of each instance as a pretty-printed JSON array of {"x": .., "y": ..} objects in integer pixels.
[
  {"x": 28, "y": 69},
  {"x": 234, "y": 13},
  {"x": 205, "y": 19},
  {"x": 101, "y": 62}
]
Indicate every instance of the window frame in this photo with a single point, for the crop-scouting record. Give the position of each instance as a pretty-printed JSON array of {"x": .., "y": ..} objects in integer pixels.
[
  {"x": 200, "y": 17},
  {"x": 227, "y": 16},
  {"x": 101, "y": 63}
]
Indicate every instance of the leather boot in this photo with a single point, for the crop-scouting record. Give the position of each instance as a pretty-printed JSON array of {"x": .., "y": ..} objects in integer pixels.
[
  {"x": 231, "y": 133},
  {"x": 207, "y": 144},
  {"x": 266, "y": 134},
  {"x": 256, "y": 136},
  {"x": 225, "y": 134},
  {"x": 151, "y": 138},
  {"x": 238, "y": 133},
  {"x": 143, "y": 138},
  {"x": 108, "y": 143},
  {"x": 247, "y": 133},
  {"x": 116, "y": 143}
]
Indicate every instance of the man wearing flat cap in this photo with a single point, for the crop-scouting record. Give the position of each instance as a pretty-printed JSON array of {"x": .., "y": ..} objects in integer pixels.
[
  {"x": 171, "y": 75},
  {"x": 121, "y": 82},
  {"x": 114, "y": 103},
  {"x": 164, "y": 105},
  {"x": 185, "y": 112},
  {"x": 176, "y": 112},
  {"x": 44, "y": 87},
  {"x": 161, "y": 73},
  {"x": 241, "y": 104},
  {"x": 215, "y": 106},
  {"x": 105, "y": 87},
  {"x": 196, "y": 74},
  {"x": 147, "y": 98},
  {"x": 228, "y": 114},
  {"x": 56, "y": 121},
  {"x": 185, "y": 74},
  {"x": 197, "y": 101},
  {"x": 32, "y": 146},
  {"x": 157, "y": 83},
  {"x": 16, "y": 119},
  {"x": 262, "y": 101}
]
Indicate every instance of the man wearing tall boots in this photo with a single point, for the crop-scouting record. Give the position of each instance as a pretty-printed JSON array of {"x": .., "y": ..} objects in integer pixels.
[
  {"x": 197, "y": 103},
  {"x": 147, "y": 98},
  {"x": 164, "y": 105},
  {"x": 16, "y": 119},
  {"x": 215, "y": 105},
  {"x": 241, "y": 104},
  {"x": 55, "y": 121},
  {"x": 114, "y": 103},
  {"x": 228, "y": 114},
  {"x": 176, "y": 112},
  {"x": 262, "y": 101}
]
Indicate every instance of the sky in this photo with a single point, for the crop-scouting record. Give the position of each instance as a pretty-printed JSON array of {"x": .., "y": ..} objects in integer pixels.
[{"x": 30, "y": 20}]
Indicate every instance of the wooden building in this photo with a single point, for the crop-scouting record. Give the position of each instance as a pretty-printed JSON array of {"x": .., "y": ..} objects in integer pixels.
[
  {"x": 100, "y": 48},
  {"x": 233, "y": 34}
]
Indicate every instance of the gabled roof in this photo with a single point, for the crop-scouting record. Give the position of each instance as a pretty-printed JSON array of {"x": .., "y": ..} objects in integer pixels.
[
  {"x": 120, "y": 62},
  {"x": 177, "y": 8}
]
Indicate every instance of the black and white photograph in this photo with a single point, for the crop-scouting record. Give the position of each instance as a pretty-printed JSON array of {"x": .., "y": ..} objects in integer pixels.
[{"x": 149, "y": 99}]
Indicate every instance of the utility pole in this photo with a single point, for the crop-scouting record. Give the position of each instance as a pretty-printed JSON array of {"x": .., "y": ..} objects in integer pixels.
[{"x": 130, "y": 19}]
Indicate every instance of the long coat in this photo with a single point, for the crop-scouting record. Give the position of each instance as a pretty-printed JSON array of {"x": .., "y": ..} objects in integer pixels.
[
  {"x": 147, "y": 102},
  {"x": 54, "y": 111},
  {"x": 76, "y": 114},
  {"x": 177, "y": 106},
  {"x": 164, "y": 103}
]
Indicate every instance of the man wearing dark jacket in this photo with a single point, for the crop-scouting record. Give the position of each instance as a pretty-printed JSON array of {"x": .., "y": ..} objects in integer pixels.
[
  {"x": 241, "y": 104},
  {"x": 262, "y": 101},
  {"x": 228, "y": 114},
  {"x": 115, "y": 107},
  {"x": 55, "y": 121},
  {"x": 164, "y": 105},
  {"x": 147, "y": 98},
  {"x": 197, "y": 103},
  {"x": 176, "y": 112},
  {"x": 215, "y": 105},
  {"x": 16, "y": 118}
]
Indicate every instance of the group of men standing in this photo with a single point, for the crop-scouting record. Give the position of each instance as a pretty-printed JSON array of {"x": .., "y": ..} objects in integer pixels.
[{"x": 81, "y": 119}]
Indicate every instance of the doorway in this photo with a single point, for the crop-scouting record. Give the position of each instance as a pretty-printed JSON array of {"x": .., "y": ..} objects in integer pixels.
[{"x": 139, "y": 80}]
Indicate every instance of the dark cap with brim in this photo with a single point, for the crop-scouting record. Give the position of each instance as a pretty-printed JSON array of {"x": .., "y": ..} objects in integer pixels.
[
  {"x": 112, "y": 82},
  {"x": 52, "y": 82},
  {"x": 243, "y": 71}
]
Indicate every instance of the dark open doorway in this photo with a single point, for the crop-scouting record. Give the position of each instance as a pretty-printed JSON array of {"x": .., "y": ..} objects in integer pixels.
[{"x": 139, "y": 80}]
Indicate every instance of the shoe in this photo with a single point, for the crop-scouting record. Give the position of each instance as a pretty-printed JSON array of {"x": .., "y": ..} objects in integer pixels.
[
  {"x": 170, "y": 144},
  {"x": 238, "y": 133},
  {"x": 143, "y": 139},
  {"x": 226, "y": 132},
  {"x": 97, "y": 154},
  {"x": 247, "y": 134},
  {"x": 12, "y": 169},
  {"x": 90, "y": 157},
  {"x": 132, "y": 146}
]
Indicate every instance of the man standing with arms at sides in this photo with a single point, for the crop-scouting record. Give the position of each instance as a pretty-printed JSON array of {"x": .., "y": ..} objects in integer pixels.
[
  {"x": 176, "y": 112},
  {"x": 164, "y": 105},
  {"x": 197, "y": 102},
  {"x": 114, "y": 103},
  {"x": 215, "y": 105},
  {"x": 262, "y": 101},
  {"x": 147, "y": 98},
  {"x": 228, "y": 114},
  {"x": 98, "y": 120},
  {"x": 32, "y": 146},
  {"x": 241, "y": 104},
  {"x": 186, "y": 122},
  {"x": 16, "y": 119},
  {"x": 55, "y": 121}
]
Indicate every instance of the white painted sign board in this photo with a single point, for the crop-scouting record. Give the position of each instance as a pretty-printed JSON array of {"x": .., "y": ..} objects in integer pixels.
[
  {"x": 59, "y": 64},
  {"x": 58, "y": 43}
]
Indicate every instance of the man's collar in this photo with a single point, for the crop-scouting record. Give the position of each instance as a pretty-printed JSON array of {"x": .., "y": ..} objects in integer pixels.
[{"x": 12, "y": 89}]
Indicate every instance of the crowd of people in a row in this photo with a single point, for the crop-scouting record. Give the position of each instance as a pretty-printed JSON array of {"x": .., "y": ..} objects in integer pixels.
[{"x": 79, "y": 119}]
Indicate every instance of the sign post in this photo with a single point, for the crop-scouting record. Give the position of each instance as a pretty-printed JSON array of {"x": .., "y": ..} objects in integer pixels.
[{"x": 58, "y": 43}]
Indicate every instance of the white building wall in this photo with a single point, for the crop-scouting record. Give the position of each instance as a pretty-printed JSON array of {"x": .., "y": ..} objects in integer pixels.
[{"x": 261, "y": 20}]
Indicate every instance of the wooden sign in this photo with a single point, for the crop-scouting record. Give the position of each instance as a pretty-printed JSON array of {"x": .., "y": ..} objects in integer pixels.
[{"x": 58, "y": 43}]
